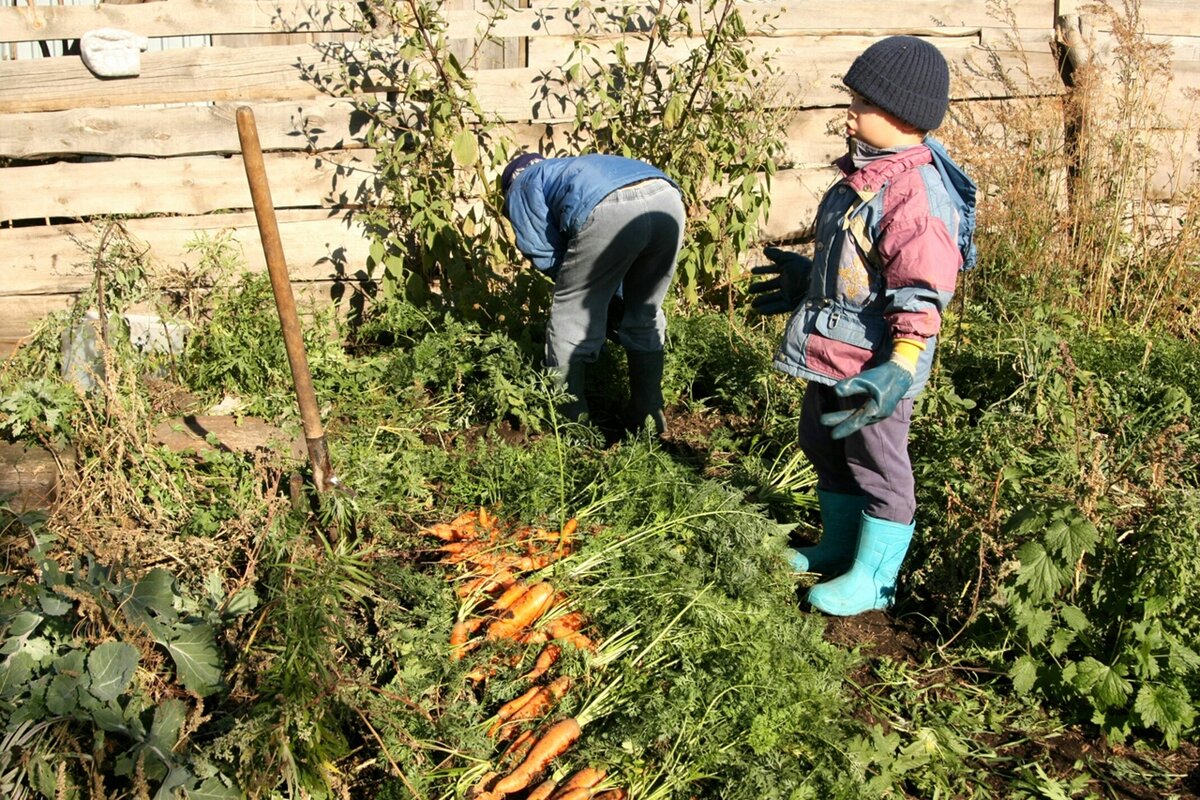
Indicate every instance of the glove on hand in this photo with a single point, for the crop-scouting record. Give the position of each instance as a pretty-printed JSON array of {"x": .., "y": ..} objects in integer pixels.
[
  {"x": 781, "y": 294},
  {"x": 884, "y": 384}
]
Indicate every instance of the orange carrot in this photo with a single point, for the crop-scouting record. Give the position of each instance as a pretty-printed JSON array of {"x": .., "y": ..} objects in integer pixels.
[
  {"x": 464, "y": 520},
  {"x": 485, "y": 519},
  {"x": 545, "y": 661},
  {"x": 543, "y": 790},
  {"x": 541, "y": 702},
  {"x": 480, "y": 674},
  {"x": 491, "y": 582},
  {"x": 566, "y": 628},
  {"x": 585, "y": 778},
  {"x": 534, "y": 637},
  {"x": 610, "y": 794},
  {"x": 512, "y": 707},
  {"x": 557, "y": 739},
  {"x": 459, "y": 646},
  {"x": 579, "y": 793},
  {"x": 568, "y": 530},
  {"x": 442, "y": 531},
  {"x": 519, "y": 748},
  {"x": 481, "y": 786},
  {"x": 511, "y": 595},
  {"x": 524, "y": 613}
]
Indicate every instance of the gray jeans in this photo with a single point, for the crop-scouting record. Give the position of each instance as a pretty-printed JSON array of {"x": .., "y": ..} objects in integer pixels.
[
  {"x": 872, "y": 462},
  {"x": 629, "y": 242}
]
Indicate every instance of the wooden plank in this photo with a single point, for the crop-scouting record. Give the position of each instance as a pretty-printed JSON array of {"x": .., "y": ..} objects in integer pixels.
[
  {"x": 1167, "y": 17},
  {"x": 189, "y": 185},
  {"x": 19, "y": 315},
  {"x": 309, "y": 125},
  {"x": 232, "y": 17},
  {"x": 24, "y": 23},
  {"x": 52, "y": 259},
  {"x": 34, "y": 477},
  {"x": 306, "y": 72}
]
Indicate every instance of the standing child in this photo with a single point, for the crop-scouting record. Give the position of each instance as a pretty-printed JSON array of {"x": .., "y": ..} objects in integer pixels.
[
  {"x": 866, "y": 310},
  {"x": 599, "y": 225}
]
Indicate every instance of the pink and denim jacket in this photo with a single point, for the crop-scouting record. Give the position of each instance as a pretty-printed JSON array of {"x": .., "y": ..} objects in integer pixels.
[{"x": 885, "y": 265}]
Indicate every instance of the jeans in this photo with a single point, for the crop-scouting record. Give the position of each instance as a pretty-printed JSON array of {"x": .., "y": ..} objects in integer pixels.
[{"x": 629, "y": 243}]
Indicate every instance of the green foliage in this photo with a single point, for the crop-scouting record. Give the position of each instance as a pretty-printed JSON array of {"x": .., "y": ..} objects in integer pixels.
[
  {"x": 65, "y": 692},
  {"x": 707, "y": 119},
  {"x": 39, "y": 409},
  {"x": 240, "y": 350},
  {"x": 1088, "y": 547}
]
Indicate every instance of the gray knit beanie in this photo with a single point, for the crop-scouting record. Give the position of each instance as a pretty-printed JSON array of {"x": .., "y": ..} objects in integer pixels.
[{"x": 906, "y": 77}]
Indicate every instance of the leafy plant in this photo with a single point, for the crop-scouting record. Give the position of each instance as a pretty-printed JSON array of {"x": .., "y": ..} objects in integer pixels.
[{"x": 61, "y": 688}]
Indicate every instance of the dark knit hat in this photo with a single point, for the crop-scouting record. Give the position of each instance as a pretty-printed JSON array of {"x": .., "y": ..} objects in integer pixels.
[
  {"x": 515, "y": 166},
  {"x": 906, "y": 77}
]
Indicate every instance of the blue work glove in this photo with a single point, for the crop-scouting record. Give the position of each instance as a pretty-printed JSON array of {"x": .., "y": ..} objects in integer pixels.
[
  {"x": 885, "y": 385},
  {"x": 782, "y": 293}
]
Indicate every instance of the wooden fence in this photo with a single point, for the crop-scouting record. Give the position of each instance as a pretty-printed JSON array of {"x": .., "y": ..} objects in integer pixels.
[{"x": 161, "y": 152}]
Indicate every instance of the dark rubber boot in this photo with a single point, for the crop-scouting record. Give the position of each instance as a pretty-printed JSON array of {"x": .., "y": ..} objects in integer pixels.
[{"x": 645, "y": 390}]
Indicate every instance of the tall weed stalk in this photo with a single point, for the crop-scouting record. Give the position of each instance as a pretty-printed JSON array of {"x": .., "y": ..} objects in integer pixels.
[{"x": 1090, "y": 202}]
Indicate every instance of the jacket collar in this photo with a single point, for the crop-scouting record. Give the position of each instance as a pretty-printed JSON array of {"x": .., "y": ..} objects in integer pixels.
[{"x": 871, "y": 178}]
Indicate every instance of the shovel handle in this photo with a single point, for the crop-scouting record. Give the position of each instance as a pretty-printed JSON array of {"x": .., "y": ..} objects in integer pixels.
[{"x": 285, "y": 303}]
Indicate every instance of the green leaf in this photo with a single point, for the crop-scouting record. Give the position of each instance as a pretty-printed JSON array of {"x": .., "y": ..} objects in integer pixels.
[
  {"x": 1070, "y": 534},
  {"x": 197, "y": 662},
  {"x": 214, "y": 788},
  {"x": 169, "y": 717},
  {"x": 152, "y": 601},
  {"x": 62, "y": 696},
  {"x": 1107, "y": 688},
  {"x": 1024, "y": 674},
  {"x": 1039, "y": 572},
  {"x": 52, "y": 604},
  {"x": 241, "y": 603},
  {"x": 15, "y": 672},
  {"x": 1074, "y": 617},
  {"x": 466, "y": 149},
  {"x": 1167, "y": 708},
  {"x": 111, "y": 666}
]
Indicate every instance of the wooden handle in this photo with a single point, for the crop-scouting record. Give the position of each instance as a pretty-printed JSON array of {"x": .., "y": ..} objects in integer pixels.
[{"x": 285, "y": 303}]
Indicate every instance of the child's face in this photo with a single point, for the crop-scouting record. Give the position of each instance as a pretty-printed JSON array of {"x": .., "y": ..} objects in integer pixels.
[{"x": 874, "y": 126}]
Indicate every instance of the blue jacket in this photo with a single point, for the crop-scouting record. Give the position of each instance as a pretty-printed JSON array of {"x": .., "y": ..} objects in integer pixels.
[
  {"x": 551, "y": 199},
  {"x": 885, "y": 265}
]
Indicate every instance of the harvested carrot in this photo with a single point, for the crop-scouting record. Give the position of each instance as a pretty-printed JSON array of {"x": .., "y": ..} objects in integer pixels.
[
  {"x": 543, "y": 790},
  {"x": 534, "y": 637},
  {"x": 512, "y": 707},
  {"x": 519, "y": 747},
  {"x": 480, "y": 674},
  {"x": 568, "y": 530},
  {"x": 545, "y": 660},
  {"x": 610, "y": 794},
  {"x": 566, "y": 628},
  {"x": 581, "y": 793},
  {"x": 510, "y": 596},
  {"x": 466, "y": 552},
  {"x": 442, "y": 531},
  {"x": 464, "y": 520},
  {"x": 586, "y": 778},
  {"x": 541, "y": 702},
  {"x": 524, "y": 613},
  {"x": 459, "y": 644},
  {"x": 493, "y": 581},
  {"x": 485, "y": 519},
  {"x": 557, "y": 739},
  {"x": 481, "y": 787}
]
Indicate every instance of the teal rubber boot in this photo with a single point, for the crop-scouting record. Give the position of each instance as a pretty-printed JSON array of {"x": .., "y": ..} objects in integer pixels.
[
  {"x": 871, "y": 582},
  {"x": 841, "y": 517},
  {"x": 571, "y": 377},
  {"x": 645, "y": 390}
]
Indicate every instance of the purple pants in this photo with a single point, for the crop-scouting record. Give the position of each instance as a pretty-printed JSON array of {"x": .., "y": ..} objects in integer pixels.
[{"x": 872, "y": 462}]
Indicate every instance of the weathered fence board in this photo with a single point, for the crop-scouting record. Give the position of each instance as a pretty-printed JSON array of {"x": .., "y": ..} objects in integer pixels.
[
  {"x": 307, "y": 72},
  {"x": 232, "y": 17},
  {"x": 187, "y": 185},
  {"x": 177, "y": 18},
  {"x": 52, "y": 259}
]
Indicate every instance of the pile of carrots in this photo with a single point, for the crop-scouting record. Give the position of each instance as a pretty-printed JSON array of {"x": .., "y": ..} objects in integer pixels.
[{"x": 487, "y": 560}]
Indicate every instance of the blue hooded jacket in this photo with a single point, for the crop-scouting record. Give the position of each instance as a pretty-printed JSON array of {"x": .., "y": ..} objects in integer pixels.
[{"x": 551, "y": 199}]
